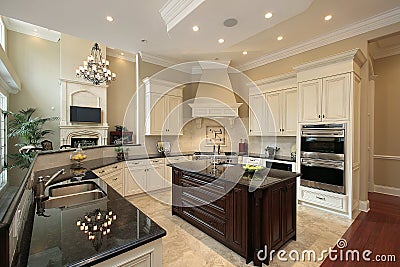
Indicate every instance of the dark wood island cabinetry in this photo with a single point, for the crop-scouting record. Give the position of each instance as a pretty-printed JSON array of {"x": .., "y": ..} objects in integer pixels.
[{"x": 244, "y": 216}]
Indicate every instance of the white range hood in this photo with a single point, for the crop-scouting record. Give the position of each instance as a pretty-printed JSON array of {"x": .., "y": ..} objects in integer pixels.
[{"x": 215, "y": 97}]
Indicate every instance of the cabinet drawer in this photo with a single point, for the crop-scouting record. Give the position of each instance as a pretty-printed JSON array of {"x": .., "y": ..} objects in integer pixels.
[
  {"x": 217, "y": 207},
  {"x": 326, "y": 199},
  {"x": 137, "y": 163},
  {"x": 157, "y": 161},
  {"x": 114, "y": 179},
  {"x": 209, "y": 183},
  {"x": 213, "y": 223},
  {"x": 108, "y": 169}
]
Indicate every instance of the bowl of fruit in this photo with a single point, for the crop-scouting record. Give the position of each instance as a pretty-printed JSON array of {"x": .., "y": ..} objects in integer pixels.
[{"x": 78, "y": 155}]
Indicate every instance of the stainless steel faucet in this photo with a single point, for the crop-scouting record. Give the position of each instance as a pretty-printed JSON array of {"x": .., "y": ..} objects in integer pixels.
[
  {"x": 41, "y": 184},
  {"x": 40, "y": 188}
]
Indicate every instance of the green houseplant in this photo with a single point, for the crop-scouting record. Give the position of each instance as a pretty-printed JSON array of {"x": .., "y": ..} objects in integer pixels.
[{"x": 30, "y": 131}]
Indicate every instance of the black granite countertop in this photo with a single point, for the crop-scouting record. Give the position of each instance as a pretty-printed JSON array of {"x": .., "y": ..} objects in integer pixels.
[
  {"x": 58, "y": 241},
  {"x": 236, "y": 174},
  {"x": 277, "y": 157}
]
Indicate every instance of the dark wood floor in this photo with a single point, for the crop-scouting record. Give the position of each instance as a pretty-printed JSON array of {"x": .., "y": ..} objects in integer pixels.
[{"x": 378, "y": 231}]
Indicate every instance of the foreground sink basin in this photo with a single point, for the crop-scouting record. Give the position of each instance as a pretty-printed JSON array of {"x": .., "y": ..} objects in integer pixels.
[
  {"x": 75, "y": 188},
  {"x": 73, "y": 194}
]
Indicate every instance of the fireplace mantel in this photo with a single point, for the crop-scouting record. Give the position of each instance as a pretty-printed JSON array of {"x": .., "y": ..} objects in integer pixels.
[{"x": 75, "y": 93}]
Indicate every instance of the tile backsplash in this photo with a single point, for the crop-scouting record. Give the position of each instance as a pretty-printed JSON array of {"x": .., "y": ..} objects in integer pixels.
[{"x": 285, "y": 143}]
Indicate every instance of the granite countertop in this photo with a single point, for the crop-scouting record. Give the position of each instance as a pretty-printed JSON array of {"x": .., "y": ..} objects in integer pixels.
[
  {"x": 277, "y": 157},
  {"x": 236, "y": 174},
  {"x": 58, "y": 241}
]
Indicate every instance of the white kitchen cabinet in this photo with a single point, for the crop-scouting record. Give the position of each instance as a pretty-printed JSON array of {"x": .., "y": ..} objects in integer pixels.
[
  {"x": 144, "y": 175},
  {"x": 256, "y": 114},
  {"x": 329, "y": 92},
  {"x": 282, "y": 115},
  {"x": 134, "y": 184},
  {"x": 163, "y": 107},
  {"x": 325, "y": 99},
  {"x": 113, "y": 175},
  {"x": 276, "y": 106}
]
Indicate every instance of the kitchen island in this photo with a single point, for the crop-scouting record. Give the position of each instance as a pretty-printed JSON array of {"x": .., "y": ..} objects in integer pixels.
[{"x": 246, "y": 212}]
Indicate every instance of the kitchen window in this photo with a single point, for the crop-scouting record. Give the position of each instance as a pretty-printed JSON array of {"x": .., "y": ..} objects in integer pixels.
[{"x": 3, "y": 141}]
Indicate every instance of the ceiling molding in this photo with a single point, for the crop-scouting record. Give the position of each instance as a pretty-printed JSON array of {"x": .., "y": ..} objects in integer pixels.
[
  {"x": 127, "y": 56},
  {"x": 157, "y": 60},
  {"x": 30, "y": 29},
  {"x": 174, "y": 11},
  {"x": 375, "y": 22}
]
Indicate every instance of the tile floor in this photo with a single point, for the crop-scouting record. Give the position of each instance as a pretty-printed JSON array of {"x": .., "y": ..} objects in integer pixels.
[{"x": 185, "y": 245}]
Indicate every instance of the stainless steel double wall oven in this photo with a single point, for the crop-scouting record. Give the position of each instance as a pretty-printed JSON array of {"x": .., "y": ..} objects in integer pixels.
[{"x": 322, "y": 157}]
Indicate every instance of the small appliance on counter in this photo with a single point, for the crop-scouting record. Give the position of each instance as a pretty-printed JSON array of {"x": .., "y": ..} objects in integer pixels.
[
  {"x": 270, "y": 151},
  {"x": 164, "y": 148}
]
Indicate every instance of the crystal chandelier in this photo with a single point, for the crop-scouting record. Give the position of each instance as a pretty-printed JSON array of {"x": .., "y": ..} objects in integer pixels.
[{"x": 95, "y": 69}]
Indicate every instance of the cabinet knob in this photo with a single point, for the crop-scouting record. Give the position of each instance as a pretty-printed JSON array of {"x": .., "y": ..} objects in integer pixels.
[
  {"x": 319, "y": 116},
  {"x": 250, "y": 130},
  {"x": 323, "y": 116},
  {"x": 283, "y": 130}
]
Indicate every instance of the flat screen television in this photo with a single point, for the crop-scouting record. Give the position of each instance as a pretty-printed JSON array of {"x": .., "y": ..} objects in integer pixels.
[{"x": 85, "y": 114}]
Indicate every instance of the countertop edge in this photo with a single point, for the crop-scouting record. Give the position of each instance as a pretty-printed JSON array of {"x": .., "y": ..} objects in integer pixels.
[{"x": 117, "y": 251}]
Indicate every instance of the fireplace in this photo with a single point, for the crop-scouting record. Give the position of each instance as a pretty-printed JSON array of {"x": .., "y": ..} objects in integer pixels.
[
  {"x": 83, "y": 94},
  {"x": 75, "y": 141}
]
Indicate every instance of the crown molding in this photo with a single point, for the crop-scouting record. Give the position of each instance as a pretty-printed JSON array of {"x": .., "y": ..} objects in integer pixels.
[
  {"x": 157, "y": 60},
  {"x": 354, "y": 54},
  {"x": 127, "y": 56},
  {"x": 375, "y": 22},
  {"x": 28, "y": 29},
  {"x": 274, "y": 79},
  {"x": 174, "y": 11}
]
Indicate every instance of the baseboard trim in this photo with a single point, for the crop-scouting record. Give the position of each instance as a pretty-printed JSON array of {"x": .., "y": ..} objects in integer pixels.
[
  {"x": 387, "y": 190},
  {"x": 363, "y": 205}
]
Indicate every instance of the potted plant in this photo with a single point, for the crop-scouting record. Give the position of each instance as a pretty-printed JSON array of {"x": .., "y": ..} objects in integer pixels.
[
  {"x": 120, "y": 153},
  {"x": 31, "y": 130}
]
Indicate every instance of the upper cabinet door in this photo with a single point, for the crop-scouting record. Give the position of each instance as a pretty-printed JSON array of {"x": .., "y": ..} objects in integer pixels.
[
  {"x": 157, "y": 114},
  {"x": 289, "y": 114},
  {"x": 173, "y": 115},
  {"x": 335, "y": 100},
  {"x": 273, "y": 114},
  {"x": 310, "y": 93},
  {"x": 256, "y": 114}
]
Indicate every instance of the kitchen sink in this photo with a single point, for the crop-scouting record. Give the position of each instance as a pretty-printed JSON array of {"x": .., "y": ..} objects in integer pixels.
[{"x": 73, "y": 194}]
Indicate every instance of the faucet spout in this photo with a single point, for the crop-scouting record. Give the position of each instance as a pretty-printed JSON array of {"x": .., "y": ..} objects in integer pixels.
[{"x": 54, "y": 176}]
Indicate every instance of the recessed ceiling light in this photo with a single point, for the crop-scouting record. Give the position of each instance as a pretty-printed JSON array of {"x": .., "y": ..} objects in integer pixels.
[
  {"x": 244, "y": 53},
  {"x": 196, "y": 28},
  {"x": 122, "y": 54},
  {"x": 279, "y": 38},
  {"x": 221, "y": 41},
  {"x": 109, "y": 18},
  {"x": 35, "y": 30},
  {"x": 268, "y": 15},
  {"x": 328, "y": 17}
]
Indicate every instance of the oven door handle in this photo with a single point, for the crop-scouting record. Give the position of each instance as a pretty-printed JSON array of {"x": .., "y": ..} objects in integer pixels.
[{"x": 331, "y": 165}]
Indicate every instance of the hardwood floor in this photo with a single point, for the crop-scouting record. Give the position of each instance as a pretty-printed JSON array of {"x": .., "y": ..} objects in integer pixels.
[{"x": 377, "y": 231}]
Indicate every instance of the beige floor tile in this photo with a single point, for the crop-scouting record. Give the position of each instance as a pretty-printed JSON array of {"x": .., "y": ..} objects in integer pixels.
[{"x": 185, "y": 245}]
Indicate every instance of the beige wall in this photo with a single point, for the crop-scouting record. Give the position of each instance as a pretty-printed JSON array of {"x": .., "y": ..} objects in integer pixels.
[
  {"x": 37, "y": 63},
  {"x": 120, "y": 91},
  {"x": 387, "y": 125}
]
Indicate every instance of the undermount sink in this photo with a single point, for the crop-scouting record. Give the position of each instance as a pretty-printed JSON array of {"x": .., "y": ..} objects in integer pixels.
[{"x": 73, "y": 194}]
